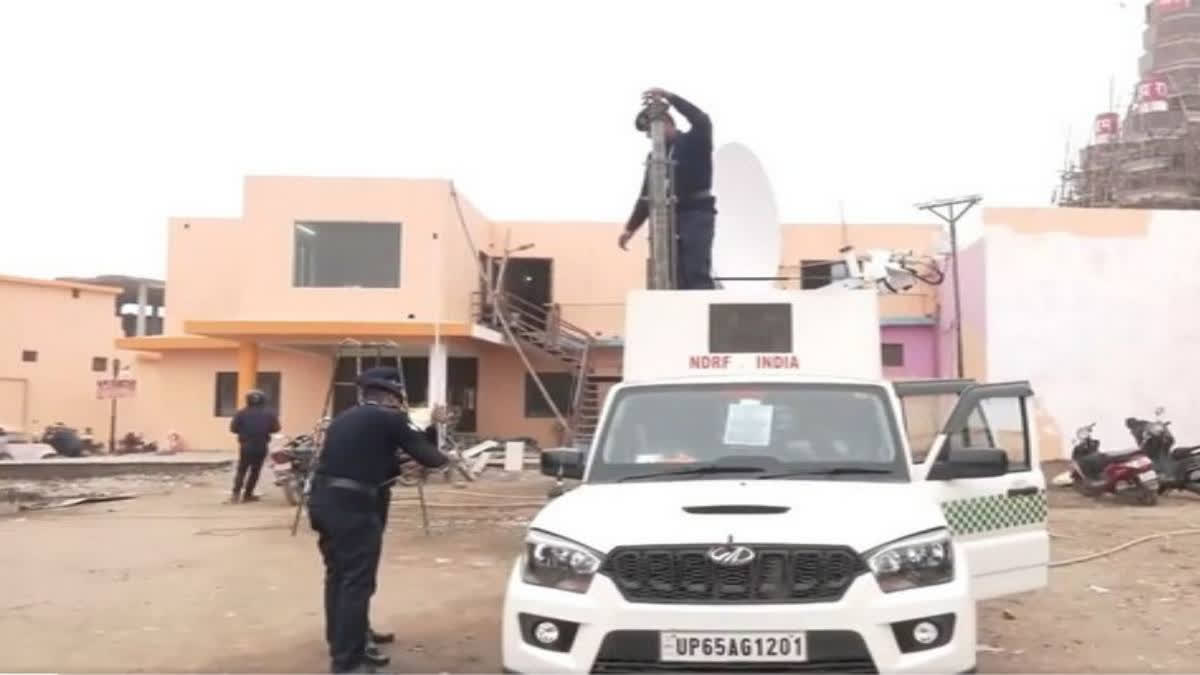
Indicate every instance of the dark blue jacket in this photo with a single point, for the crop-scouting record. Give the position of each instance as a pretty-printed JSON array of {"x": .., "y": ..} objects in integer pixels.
[
  {"x": 254, "y": 426},
  {"x": 362, "y": 444}
]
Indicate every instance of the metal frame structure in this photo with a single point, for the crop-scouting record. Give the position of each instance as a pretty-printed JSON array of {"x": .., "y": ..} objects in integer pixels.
[{"x": 951, "y": 218}]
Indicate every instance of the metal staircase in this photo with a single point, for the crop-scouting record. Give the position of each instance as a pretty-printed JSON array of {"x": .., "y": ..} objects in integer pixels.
[{"x": 543, "y": 329}]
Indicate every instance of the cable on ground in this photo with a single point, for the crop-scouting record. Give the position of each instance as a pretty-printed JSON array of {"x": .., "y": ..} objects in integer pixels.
[{"x": 1122, "y": 547}]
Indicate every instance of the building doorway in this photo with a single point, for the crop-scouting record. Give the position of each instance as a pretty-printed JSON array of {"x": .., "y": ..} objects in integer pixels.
[
  {"x": 462, "y": 387},
  {"x": 414, "y": 368},
  {"x": 528, "y": 279}
]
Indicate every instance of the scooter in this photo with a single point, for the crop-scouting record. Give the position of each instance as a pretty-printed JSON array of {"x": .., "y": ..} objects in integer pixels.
[
  {"x": 290, "y": 464},
  {"x": 1126, "y": 474},
  {"x": 1179, "y": 467}
]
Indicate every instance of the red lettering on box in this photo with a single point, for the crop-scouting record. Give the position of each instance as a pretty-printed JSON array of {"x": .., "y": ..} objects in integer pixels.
[{"x": 708, "y": 361}]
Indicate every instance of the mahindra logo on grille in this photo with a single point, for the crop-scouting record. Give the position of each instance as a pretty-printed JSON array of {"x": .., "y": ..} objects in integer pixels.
[{"x": 730, "y": 555}]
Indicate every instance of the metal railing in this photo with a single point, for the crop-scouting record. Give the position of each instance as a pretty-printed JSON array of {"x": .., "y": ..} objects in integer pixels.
[{"x": 544, "y": 327}]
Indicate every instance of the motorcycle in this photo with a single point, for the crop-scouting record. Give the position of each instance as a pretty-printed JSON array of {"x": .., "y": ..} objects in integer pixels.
[
  {"x": 64, "y": 439},
  {"x": 290, "y": 464},
  {"x": 1179, "y": 467},
  {"x": 1125, "y": 474}
]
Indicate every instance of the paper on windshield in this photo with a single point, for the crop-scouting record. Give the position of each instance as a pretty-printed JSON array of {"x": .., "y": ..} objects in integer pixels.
[{"x": 748, "y": 422}]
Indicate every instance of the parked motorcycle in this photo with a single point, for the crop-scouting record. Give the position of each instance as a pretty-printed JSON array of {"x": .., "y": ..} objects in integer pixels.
[
  {"x": 1178, "y": 467},
  {"x": 291, "y": 463},
  {"x": 64, "y": 439},
  {"x": 1126, "y": 474}
]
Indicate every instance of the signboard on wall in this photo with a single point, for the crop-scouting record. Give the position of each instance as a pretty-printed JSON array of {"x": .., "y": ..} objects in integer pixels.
[
  {"x": 109, "y": 389},
  {"x": 1168, "y": 6},
  {"x": 1152, "y": 94},
  {"x": 1106, "y": 127}
]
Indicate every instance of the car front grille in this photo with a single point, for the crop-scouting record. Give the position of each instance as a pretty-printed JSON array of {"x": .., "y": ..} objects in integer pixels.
[
  {"x": 777, "y": 574},
  {"x": 637, "y": 651}
]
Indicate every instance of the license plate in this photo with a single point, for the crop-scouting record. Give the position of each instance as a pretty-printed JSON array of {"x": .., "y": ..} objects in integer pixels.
[
  {"x": 1148, "y": 475},
  {"x": 720, "y": 647}
]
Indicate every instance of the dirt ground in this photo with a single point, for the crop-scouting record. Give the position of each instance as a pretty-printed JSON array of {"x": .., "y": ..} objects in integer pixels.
[{"x": 176, "y": 581}]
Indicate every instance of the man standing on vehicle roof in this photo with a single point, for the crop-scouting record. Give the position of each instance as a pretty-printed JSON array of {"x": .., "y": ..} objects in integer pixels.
[
  {"x": 345, "y": 508},
  {"x": 695, "y": 206},
  {"x": 253, "y": 425}
]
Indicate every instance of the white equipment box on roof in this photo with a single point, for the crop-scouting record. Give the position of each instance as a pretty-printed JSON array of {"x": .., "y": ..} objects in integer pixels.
[{"x": 670, "y": 334}]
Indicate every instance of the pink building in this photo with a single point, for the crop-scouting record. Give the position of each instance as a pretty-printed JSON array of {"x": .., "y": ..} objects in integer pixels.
[{"x": 263, "y": 300}]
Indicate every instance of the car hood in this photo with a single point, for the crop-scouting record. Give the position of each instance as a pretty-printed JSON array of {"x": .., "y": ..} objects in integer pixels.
[{"x": 861, "y": 515}]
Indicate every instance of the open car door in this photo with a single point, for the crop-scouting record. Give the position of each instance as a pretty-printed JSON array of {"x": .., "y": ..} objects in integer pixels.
[{"x": 999, "y": 521}]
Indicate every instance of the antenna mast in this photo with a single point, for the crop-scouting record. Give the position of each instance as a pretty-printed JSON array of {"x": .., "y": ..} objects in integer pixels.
[{"x": 661, "y": 265}]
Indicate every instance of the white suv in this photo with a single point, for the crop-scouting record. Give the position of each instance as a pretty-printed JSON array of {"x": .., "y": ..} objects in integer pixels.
[{"x": 781, "y": 524}]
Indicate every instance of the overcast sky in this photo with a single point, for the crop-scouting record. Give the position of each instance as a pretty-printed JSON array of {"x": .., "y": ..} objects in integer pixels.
[{"x": 117, "y": 115}]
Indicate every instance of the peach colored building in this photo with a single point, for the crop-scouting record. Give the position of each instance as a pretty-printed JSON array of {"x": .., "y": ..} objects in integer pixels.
[
  {"x": 264, "y": 298},
  {"x": 58, "y": 340}
]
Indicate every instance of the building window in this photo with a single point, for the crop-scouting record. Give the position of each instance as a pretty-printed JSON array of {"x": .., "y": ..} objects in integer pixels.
[
  {"x": 346, "y": 255},
  {"x": 820, "y": 273},
  {"x": 226, "y": 402},
  {"x": 559, "y": 387},
  {"x": 893, "y": 355},
  {"x": 226, "y": 399},
  {"x": 99, "y": 364},
  {"x": 29, "y": 356}
]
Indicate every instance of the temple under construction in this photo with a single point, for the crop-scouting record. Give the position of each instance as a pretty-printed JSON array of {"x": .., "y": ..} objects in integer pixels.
[{"x": 1151, "y": 158}]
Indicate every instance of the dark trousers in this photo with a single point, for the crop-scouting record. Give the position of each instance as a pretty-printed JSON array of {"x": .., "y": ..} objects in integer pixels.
[
  {"x": 250, "y": 464},
  {"x": 385, "y": 502},
  {"x": 694, "y": 231},
  {"x": 349, "y": 535}
]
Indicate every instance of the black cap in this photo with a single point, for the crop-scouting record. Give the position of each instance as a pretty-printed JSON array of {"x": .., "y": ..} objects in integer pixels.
[
  {"x": 383, "y": 377},
  {"x": 642, "y": 121}
]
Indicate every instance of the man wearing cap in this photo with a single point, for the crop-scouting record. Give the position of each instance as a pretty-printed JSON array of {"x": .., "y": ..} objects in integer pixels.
[
  {"x": 695, "y": 205},
  {"x": 359, "y": 456}
]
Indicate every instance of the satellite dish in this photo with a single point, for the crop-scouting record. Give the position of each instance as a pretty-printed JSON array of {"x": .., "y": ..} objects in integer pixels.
[{"x": 748, "y": 236}]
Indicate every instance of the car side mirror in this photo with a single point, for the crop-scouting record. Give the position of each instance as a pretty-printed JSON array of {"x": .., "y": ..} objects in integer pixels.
[
  {"x": 563, "y": 462},
  {"x": 974, "y": 463}
]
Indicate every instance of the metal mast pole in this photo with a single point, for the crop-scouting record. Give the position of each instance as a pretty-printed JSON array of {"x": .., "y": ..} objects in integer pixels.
[
  {"x": 951, "y": 217},
  {"x": 661, "y": 265}
]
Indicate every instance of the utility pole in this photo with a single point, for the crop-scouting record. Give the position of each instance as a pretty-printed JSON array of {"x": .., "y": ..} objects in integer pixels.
[
  {"x": 661, "y": 272},
  {"x": 112, "y": 412},
  {"x": 950, "y": 211}
]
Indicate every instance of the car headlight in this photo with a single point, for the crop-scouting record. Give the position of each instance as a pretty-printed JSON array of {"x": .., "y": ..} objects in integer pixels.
[
  {"x": 922, "y": 560},
  {"x": 559, "y": 563}
]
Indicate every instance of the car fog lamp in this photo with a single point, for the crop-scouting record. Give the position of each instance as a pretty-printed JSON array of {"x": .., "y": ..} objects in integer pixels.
[
  {"x": 547, "y": 633},
  {"x": 925, "y": 633}
]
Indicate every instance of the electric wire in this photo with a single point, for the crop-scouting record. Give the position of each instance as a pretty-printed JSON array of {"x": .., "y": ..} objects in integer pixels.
[
  {"x": 1121, "y": 547},
  {"x": 483, "y": 275}
]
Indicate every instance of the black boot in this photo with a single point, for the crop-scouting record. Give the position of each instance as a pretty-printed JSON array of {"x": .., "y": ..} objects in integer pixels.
[{"x": 375, "y": 658}]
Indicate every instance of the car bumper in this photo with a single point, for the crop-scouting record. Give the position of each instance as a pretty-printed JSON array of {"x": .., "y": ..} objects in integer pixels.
[{"x": 854, "y": 634}]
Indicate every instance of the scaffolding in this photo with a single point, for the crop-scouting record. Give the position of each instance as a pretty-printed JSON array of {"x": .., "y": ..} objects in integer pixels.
[{"x": 1151, "y": 158}]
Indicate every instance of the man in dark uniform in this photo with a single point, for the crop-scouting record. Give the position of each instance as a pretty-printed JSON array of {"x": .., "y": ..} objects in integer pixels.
[
  {"x": 359, "y": 456},
  {"x": 253, "y": 425},
  {"x": 374, "y": 638},
  {"x": 695, "y": 206}
]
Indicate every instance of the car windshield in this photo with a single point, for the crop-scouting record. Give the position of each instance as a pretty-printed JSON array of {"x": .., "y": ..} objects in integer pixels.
[{"x": 755, "y": 431}]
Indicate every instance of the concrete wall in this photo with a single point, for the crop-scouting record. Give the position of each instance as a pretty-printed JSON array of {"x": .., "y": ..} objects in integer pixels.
[
  {"x": 920, "y": 351},
  {"x": 182, "y": 388},
  {"x": 973, "y": 284},
  {"x": 68, "y": 325},
  {"x": 1097, "y": 308}
]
